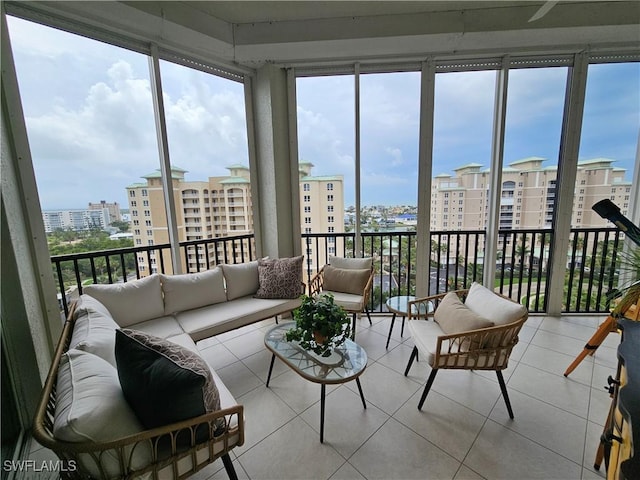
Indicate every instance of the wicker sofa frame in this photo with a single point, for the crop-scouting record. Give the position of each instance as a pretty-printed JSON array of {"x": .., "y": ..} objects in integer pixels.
[{"x": 176, "y": 452}]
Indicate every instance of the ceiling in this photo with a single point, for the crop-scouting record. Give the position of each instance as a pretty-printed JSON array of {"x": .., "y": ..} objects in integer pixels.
[
  {"x": 242, "y": 12},
  {"x": 251, "y": 33}
]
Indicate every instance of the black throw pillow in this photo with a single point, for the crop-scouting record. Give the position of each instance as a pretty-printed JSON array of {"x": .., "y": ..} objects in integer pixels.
[{"x": 163, "y": 382}]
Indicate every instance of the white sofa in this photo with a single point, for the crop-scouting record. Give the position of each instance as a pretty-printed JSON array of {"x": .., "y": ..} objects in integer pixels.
[{"x": 93, "y": 424}]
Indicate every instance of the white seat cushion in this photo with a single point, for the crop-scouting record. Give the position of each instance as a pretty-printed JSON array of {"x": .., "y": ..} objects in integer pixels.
[
  {"x": 91, "y": 407},
  {"x": 130, "y": 302},
  {"x": 214, "y": 319},
  {"x": 162, "y": 327},
  {"x": 348, "y": 301}
]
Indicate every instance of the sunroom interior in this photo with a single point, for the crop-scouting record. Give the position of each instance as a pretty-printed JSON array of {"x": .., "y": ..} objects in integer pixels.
[{"x": 266, "y": 47}]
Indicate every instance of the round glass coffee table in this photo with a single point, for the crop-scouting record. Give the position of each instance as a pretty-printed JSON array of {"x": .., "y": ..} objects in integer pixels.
[
  {"x": 346, "y": 363},
  {"x": 400, "y": 306}
]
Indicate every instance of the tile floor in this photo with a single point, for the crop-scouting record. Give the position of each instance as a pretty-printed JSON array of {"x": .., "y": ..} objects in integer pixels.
[{"x": 463, "y": 431}]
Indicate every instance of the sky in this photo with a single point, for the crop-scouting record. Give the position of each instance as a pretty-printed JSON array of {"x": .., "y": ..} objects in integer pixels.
[{"x": 90, "y": 120}]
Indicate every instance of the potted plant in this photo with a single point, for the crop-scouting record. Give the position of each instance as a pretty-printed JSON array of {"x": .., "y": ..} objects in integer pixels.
[{"x": 321, "y": 324}]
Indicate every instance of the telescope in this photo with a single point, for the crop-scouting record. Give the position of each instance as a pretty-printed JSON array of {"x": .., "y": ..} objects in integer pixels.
[{"x": 609, "y": 210}]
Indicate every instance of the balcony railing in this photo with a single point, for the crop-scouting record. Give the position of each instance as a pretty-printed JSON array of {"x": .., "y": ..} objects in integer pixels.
[{"x": 456, "y": 260}]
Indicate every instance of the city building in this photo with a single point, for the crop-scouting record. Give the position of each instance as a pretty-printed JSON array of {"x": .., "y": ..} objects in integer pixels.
[
  {"x": 528, "y": 194},
  {"x": 114, "y": 210},
  {"x": 76, "y": 219},
  {"x": 222, "y": 207}
]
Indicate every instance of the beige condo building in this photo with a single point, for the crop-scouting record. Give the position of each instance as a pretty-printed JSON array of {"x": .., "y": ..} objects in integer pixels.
[
  {"x": 222, "y": 207},
  {"x": 528, "y": 192}
]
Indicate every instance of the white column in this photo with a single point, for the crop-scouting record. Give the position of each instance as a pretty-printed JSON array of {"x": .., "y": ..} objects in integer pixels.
[
  {"x": 425, "y": 175},
  {"x": 274, "y": 172},
  {"x": 567, "y": 170},
  {"x": 495, "y": 188}
]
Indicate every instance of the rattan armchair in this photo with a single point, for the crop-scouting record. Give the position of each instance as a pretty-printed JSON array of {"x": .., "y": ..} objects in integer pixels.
[
  {"x": 355, "y": 298},
  {"x": 479, "y": 349}
]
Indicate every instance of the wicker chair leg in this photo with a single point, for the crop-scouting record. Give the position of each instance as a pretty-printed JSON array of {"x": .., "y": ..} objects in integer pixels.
[
  {"x": 414, "y": 355},
  {"x": 427, "y": 387},
  {"x": 353, "y": 326},
  {"x": 368, "y": 315},
  {"x": 228, "y": 466},
  {"x": 503, "y": 388}
]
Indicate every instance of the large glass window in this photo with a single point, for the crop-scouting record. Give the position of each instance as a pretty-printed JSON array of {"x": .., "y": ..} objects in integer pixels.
[
  {"x": 390, "y": 125},
  {"x": 207, "y": 134},
  {"x": 608, "y": 147},
  {"x": 326, "y": 145},
  {"x": 463, "y": 113},
  {"x": 90, "y": 123}
]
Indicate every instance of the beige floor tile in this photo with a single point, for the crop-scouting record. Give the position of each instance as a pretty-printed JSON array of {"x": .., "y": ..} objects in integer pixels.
[
  {"x": 555, "y": 362},
  {"x": 396, "y": 452},
  {"x": 563, "y": 392},
  {"x": 218, "y": 356},
  {"x": 292, "y": 452},
  {"x": 246, "y": 345},
  {"x": 347, "y": 424},
  {"x": 445, "y": 423},
  {"x": 385, "y": 388},
  {"x": 560, "y": 431},
  {"x": 465, "y": 473},
  {"x": 239, "y": 379},
  {"x": 500, "y": 453},
  {"x": 264, "y": 413},
  {"x": 347, "y": 472}
]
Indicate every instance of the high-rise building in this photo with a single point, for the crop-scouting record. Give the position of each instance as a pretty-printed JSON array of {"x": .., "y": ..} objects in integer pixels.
[
  {"x": 461, "y": 202},
  {"x": 76, "y": 219},
  {"x": 222, "y": 207},
  {"x": 113, "y": 208}
]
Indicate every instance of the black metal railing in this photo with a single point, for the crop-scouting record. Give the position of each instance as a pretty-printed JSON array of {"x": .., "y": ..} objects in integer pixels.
[
  {"x": 72, "y": 271},
  {"x": 456, "y": 260}
]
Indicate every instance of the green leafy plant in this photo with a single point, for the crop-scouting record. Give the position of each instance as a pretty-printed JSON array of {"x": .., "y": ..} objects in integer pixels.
[{"x": 321, "y": 324}]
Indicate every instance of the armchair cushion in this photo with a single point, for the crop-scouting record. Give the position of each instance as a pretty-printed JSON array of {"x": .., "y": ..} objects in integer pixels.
[
  {"x": 163, "y": 382},
  {"x": 454, "y": 317},
  {"x": 351, "y": 263},
  {"x": 130, "y": 302},
  {"x": 192, "y": 290},
  {"x": 280, "y": 277},
  {"x": 489, "y": 304},
  {"x": 345, "y": 280}
]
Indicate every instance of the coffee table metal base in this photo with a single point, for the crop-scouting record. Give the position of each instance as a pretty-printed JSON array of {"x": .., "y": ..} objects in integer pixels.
[{"x": 323, "y": 391}]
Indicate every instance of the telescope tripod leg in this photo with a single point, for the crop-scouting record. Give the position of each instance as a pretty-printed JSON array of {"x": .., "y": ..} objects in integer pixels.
[{"x": 608, "y": 326}]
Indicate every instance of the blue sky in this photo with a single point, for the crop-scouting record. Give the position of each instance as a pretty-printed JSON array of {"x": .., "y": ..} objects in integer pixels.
[{"x": 91, "y": 129}]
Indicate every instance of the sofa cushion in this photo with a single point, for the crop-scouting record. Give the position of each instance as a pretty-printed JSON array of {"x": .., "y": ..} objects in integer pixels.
[
  {"x": 192, "y": 290},
  {"x": 241, "y": 279},
  {"x": 345, "y": 280},
  {"x": 490, "y": 305},
  {"x": 280, "y": 277},
  {"x": 207, "y": 321},
  {"x": 163, "y": 382},
  {"x": 94, "y": 330},
  {"x": 90, "y": 407},
  {"x": 163, "y": 327},
  {"x": 454, "y": 317},
  {"x": 355, "y": 263},
  {"x": 130, "y": 302},
  {"x": 349, "y": 301}
]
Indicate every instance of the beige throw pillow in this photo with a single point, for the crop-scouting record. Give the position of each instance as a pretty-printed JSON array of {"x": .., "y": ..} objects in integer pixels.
[
  {"x": 345, "y": 280},
  {"x": 454, "y": 317}
]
